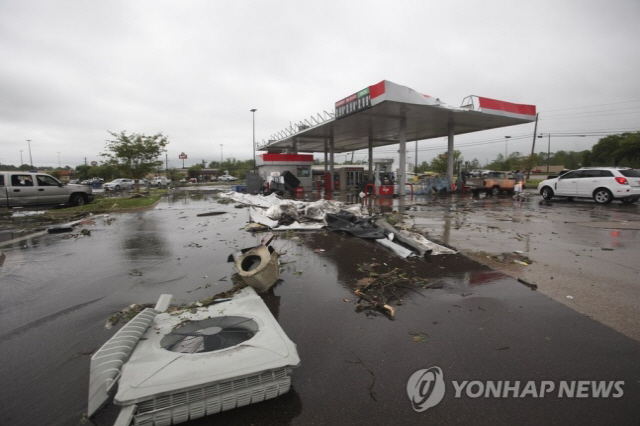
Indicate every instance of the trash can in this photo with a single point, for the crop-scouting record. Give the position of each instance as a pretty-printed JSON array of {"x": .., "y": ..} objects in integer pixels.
[{"x": 258, "y": 268}]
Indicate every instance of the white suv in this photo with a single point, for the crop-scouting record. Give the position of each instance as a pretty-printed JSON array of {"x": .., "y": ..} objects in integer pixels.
[{"x": 603, "y": 184}]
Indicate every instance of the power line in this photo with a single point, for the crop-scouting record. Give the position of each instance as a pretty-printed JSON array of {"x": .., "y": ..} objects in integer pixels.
[{"x": 591, "y": 106}]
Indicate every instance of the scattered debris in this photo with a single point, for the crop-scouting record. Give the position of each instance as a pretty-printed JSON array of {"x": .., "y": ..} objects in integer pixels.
[
  {"x": 58, "y": 229},
  {"x": 419, "y": 337},
  {"x": 570, "y": 297},
  {"x": 380, "y": 289},
  {"x": 210, "y": 214},
  {"x": 514, "y": 257},
  {"x": 502, "y": 348},
  {"x": 258, "y": 266},
  {"x": 416, "y": 241},
  {"x": 532, "y": 286}
]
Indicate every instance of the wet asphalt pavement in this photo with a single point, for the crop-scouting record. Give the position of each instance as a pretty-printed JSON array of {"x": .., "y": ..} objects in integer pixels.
[{"x": 57, "y": 292}]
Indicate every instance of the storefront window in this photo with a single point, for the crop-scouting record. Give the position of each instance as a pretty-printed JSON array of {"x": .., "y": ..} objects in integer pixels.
[{"x": 303, "y": 171}]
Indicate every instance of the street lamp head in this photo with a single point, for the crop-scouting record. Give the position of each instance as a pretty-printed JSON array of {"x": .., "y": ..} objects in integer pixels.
[{"x": 253, "y": 110}]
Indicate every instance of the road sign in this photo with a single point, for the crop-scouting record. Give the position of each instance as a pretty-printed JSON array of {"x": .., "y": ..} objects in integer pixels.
[
  {"x": 182, "y": 156},
  {"x": 94, "y": 163}
]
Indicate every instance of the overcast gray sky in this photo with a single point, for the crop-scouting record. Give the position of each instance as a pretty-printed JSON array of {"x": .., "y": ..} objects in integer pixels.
[{"x": 74, "y": 70}]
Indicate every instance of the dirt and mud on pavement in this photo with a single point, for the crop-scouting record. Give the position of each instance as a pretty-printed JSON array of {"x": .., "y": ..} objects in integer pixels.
[{"x": 579, "y": 253}]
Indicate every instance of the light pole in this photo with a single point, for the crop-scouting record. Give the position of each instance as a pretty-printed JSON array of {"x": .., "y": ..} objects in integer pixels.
[
  {"x": 506, "y": 147},
  {"x": 21, "y": 161},
  {"x": 253, "y": 111},
  {"x": 221, "y": 155},
  {"x": 30, "y": 159},
  {"x": 59, "y": 165}
]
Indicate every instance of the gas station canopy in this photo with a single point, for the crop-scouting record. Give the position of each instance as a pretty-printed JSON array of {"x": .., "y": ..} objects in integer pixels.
[{"x": 378, "y": 113}]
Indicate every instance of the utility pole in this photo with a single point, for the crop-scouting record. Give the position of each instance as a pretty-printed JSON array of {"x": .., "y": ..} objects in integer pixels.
[
  {"x": 533, "y": 145},
  {"x": 21, "y": 162},
  {"x": 254, "y": 139}
]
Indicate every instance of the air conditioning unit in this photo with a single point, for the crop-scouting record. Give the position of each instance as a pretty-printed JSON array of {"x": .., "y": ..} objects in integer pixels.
[{"x": 175, "y": 367}]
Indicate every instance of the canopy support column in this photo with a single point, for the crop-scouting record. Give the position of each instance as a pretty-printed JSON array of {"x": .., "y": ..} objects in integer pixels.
[
  {"x": 450, "y": 156},
  {"x": 326, "y": 154},
  {"x": 331, "y": 178},
  {"x": 402, "y": 153},
  {"x": 370, "y": 174}
]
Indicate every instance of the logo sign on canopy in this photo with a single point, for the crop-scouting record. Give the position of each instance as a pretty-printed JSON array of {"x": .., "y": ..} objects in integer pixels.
[{"x": 354, "y": 103}]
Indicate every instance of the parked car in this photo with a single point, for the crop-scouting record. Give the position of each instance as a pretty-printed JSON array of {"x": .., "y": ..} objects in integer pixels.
[
  {"x": 183, "y": 180},
  {"x": 603, "y": 184},
  {"x": 25, "y": 189},
  {"x": 193, "y": 180},
  {"x": 160, "y": 180},
  {"x": 227, "y": 178},
  {"x": 119, "y": 184},
  {"x": 479, "y": 173},
  {"x": 493, "y": 183}
]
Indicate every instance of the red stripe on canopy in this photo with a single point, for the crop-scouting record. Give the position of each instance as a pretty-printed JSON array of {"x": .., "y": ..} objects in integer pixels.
[
  {"x": 376, "y": 90},
  {"x": 507, "y": 106}
]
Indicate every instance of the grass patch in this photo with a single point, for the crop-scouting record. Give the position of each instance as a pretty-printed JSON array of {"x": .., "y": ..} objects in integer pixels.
[
  {"x": 103, "y": 204},
  {"x": 533, "y": 183}
]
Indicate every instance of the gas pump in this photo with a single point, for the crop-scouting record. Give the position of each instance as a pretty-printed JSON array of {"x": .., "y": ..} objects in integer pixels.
[
  {"x": 384, "y": 176},
  {"x": 351, "y": 178}
]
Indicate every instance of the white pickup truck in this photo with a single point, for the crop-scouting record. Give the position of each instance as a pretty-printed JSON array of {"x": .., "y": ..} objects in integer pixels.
[{"x": 19, "y": 189}]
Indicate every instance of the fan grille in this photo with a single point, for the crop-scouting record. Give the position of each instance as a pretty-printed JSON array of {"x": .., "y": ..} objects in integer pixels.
[{"x": 211, "y": 334}]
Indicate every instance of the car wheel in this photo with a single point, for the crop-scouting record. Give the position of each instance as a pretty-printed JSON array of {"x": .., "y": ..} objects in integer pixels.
[
  {"x": 495, "y": 190},
  {"x": 117, "y": 188},
  {"x": 570, "y": 198},
  {"x": 602, "y": 196},
  {"x": 547, "y": 193},
  {"x": 78, "y": 200},
  {"x": 629, "y": 200}
]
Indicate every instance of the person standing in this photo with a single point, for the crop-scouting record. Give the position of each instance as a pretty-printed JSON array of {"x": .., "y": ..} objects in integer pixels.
[{"x": 519, "y": 184}]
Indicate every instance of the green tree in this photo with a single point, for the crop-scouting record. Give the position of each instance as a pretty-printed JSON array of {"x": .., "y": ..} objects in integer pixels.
[
  {"x": 136, "y": 155},
  {"x": 527, "y": 163},
  {"x": 585, "y": 158},
  {"x": 173, "y": 174},
  {"x": 194, "y": 171},
  {"x": 629, "y": 149},
  {"x": 82, "y": 171},
  {"x": 439, "y": 162},
  {"x": 604, "y": 152}
]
